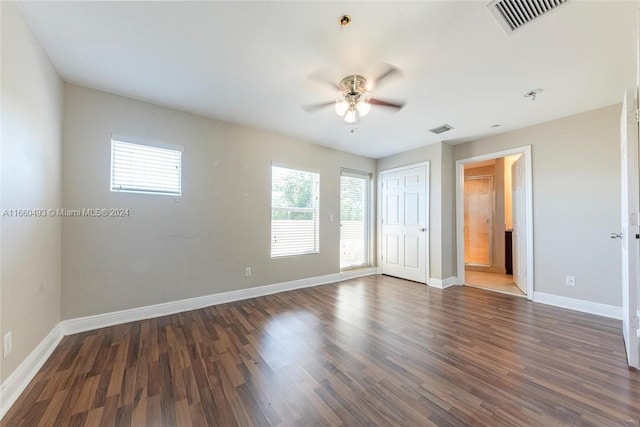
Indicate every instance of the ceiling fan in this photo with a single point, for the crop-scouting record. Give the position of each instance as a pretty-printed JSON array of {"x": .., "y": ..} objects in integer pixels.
[{"x": 354, "y": 99}]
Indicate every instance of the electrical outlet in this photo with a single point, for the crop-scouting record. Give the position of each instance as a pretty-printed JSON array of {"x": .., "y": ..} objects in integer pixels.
[
  {"x": 8, "y": 345},
  {"x": 571, "y": 280},
  {"x": 247, "y": 272}
]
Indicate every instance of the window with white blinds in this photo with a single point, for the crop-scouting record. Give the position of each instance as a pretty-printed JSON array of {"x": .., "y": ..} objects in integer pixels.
[
  {"x": 354, "y": 219},
  {"x": 295, "y": 211},
  {"x": 138, "y": 168}
]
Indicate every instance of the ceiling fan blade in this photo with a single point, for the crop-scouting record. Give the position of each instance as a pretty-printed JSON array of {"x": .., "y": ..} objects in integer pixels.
[
  {"x": 389, "y": 72},
  {"x": 320, "y": 77},
  {"x": 315, "y": 107},
  {"x": 380, "y": 102}
]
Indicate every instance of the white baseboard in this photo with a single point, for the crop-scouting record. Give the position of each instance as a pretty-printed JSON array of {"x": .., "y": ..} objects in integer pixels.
[
  {"x": 13, "y": 386},
  {"x": 82, "y": 324},
  {"x": 579, "y": 305},
  {"x": 443, "y": 283}
]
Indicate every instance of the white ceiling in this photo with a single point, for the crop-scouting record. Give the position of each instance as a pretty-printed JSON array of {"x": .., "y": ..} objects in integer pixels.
[{"x": 249, "y": 62}]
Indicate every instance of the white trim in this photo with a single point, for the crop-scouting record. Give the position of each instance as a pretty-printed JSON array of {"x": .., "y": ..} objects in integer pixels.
[
  {"x": 427, "y": 165},
  {"x": 579, "y": 305},
  {"x": 88, "y": 323},
  {"x": 443, "y": 283},
  {"x": 19, "y": 379},
  {"x": 526, "y": 151}
]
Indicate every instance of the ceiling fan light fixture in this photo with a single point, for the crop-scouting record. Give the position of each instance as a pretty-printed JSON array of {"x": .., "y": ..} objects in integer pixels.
[
  {"x": 363, "y": 108},
  {"x": 350, "y": 117},
  {"x": 341, "y": 107}
]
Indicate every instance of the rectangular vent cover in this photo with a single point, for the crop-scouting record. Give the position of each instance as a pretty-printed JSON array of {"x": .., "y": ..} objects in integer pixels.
[
  {"x": 441, "y": 129},
  {"x": 513, "y": 14}
]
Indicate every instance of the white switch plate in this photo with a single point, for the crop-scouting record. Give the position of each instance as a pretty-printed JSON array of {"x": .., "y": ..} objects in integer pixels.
[
  {"x": 571, "y": 280},
  {"x": 8, "y": 344},
  {"x": 247, "y": 272},
  {"x": 330, "y": 217}
]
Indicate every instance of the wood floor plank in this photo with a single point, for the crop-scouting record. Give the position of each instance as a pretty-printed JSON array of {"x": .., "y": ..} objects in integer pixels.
[{"x": 371, "y": 351}]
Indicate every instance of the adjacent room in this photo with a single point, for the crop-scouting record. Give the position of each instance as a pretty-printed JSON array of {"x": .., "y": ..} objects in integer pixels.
[
  {"x": 488, "y": 226},
  {"x": 319, "y": 213}
]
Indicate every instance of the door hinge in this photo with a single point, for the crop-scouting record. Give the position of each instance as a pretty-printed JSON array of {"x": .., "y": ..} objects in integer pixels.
[
  {"x": 637, "y": 115},
  {"x": 635, "y": 322}
]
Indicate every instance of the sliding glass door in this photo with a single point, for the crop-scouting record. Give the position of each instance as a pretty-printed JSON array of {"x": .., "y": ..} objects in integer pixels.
[{"x": 355, "y": 227}]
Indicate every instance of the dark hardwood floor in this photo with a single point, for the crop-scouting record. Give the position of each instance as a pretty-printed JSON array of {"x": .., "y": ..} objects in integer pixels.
[{"x": 370, "y": 351}]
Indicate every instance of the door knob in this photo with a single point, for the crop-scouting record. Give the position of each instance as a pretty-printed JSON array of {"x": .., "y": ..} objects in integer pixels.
[
  {"x": 616, "y": 235},
  {"x": 422, "y": 229}
]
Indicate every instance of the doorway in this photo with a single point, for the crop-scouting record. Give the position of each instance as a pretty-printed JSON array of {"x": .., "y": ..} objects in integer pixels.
[
  {"x": 479, "y": 199},
  {"x": 493, "y": 222}
]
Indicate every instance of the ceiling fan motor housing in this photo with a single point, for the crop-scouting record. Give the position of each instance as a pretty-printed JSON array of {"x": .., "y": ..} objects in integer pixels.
[{"x": 354, "y": 88}]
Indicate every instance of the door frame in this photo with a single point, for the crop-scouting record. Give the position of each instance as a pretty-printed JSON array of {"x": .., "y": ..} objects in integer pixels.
[
  {"x": 526, "y": 152},
  {"x": 427, "y": 193}
]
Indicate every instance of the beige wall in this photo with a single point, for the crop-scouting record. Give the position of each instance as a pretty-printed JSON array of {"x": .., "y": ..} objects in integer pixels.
[
  {"x": 31, "y": 179},
  {"x": 576, "y": 201},
  {"x": 169, "y": 250},
  {"x": 441, "y": 203}
]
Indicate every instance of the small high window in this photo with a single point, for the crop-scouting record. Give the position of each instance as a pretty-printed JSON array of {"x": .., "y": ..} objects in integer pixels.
[{"x": 138, "y": 168}]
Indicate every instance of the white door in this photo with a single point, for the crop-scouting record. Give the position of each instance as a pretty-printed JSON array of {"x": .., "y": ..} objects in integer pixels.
[
  {"x": 629, "y": 221},
  {"x": 519, "y": 219},
  {"x": 404, "y": 223}
]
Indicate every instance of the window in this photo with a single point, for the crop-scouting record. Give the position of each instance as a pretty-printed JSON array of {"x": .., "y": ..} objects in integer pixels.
[
  {"x": 354, "y": 219},
  {"x": 137, "y": 168},
  {"x": 295, "y": 211}
]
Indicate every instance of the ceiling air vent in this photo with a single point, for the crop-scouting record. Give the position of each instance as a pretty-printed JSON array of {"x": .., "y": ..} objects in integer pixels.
[
  {"x": 513, "y": 14},
  {"x": 441, "y": 129}
]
